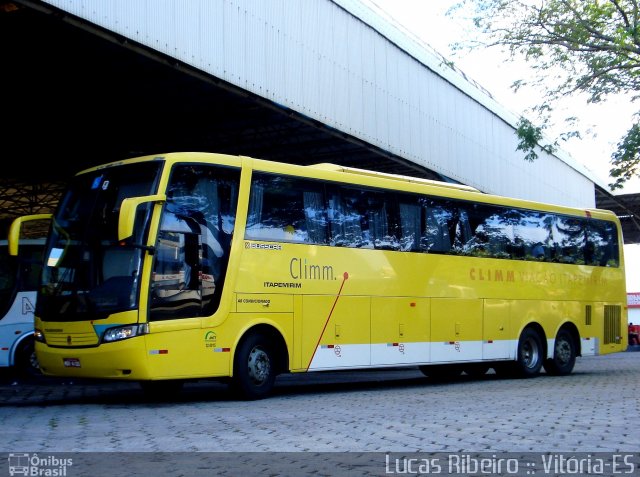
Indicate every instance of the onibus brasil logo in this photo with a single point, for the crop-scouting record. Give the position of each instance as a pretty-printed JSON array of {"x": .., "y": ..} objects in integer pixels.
[{"x": 35, "y": 465}]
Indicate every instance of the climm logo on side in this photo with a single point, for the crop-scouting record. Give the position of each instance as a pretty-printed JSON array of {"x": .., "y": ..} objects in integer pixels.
[
  {"x": 492, "y": 275},
  {"x": 303, "y": 269},
  {"x": 299, "y": 268}
]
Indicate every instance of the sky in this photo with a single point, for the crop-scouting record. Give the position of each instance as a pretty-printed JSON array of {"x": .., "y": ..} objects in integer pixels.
[{"x": 427, "y": 21}]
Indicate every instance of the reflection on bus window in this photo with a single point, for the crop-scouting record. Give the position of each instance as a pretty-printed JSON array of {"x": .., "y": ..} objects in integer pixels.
[
  {"x": 194, "y": 241},
  {"x": 296, "y": 210}
]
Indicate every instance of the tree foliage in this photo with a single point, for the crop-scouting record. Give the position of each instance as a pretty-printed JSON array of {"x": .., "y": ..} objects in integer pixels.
[{"x": 590, "y": 47}]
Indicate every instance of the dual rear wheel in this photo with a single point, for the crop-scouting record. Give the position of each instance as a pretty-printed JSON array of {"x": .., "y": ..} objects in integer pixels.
[
  {"x": 530, "y": 354},
  {"x": 564, "y": 355},
  {"x": 531, "y": 357}
]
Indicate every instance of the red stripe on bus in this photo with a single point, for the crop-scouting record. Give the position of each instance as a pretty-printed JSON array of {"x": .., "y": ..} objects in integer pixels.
[{"x": 345, "y": 276}]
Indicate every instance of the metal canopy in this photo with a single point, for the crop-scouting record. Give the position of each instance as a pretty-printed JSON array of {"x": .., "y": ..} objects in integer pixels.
[
  {"x": 627, "y": 208},
  {"x": 76, "y": 96}
]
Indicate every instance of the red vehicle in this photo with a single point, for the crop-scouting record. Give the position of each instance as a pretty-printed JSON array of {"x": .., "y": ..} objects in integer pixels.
[{"x": 634, "y": 334}]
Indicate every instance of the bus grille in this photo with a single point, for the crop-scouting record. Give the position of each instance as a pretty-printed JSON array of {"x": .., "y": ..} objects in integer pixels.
[
  {"x": 71, "y": 340},
  {"x": 612, "y": 324}
]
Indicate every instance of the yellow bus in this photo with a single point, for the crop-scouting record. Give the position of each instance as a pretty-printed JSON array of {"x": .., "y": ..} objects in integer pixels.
[{"x": 188, "y": 266}]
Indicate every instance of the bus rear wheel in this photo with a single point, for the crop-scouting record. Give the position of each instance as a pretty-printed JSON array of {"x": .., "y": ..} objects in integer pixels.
[
  {"x": 254, "y": 369},
  {"x": 530, "y": 354},
  {"x": 564, "y": 355}
]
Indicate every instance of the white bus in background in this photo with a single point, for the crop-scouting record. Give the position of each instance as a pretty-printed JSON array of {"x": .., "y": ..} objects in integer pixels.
[{"x": 19, "y": 276}]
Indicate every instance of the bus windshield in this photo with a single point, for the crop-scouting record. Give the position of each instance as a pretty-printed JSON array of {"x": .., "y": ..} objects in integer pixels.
[{"x": 87, "y": 273}]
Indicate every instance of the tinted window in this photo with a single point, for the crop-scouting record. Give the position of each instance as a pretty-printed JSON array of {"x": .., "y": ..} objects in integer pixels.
[
  {"x": 297, "y": 210},
  {"x": 286, "y": 209},
  {"x": 362, "y": 218},
  {"x": 602, "y": 244}
]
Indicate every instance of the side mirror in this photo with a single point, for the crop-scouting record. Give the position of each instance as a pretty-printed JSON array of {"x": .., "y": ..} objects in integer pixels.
[
  {"x": 16, "y": 225},
  {"x": 128, "y": 210}
]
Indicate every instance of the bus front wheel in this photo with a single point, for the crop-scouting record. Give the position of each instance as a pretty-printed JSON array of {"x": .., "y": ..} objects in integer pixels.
[
  {"x": 254, "y": 370},
  {"x": 564, "y": 355}
]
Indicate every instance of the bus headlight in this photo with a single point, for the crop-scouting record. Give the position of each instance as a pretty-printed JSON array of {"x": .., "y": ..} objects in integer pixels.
[
  {"x": 124, "y": 332},
  {"x": 38, "y": 335}
]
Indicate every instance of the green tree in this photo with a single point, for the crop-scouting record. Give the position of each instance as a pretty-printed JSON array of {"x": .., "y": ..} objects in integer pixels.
[{"x": 589, "y": 47}]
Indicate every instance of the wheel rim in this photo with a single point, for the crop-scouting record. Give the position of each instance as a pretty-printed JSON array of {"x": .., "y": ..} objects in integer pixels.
[
  {"x": 33, "y": 362},
  {"x": 563, "y": 351},
  {"x": 259, "y": 366},
  {"x": 530, "y": 353}
]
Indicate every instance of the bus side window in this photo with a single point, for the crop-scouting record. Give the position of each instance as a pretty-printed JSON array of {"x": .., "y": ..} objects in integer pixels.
[
  {"x": 570, "y": 240},
  {"x": 533, "y": 229},
  {"x": 362, "y": 218},
  {"x": 476, "y": 234},
  {"x": 286, "y": 209},
  {"x": 493, "y": 232},
  {"x": 381, "y": 221},
  {"x": 602, "y": 244},
  {"x": 410, "y": 223},
  {"x": 315, "y": 216},
  {"x": 462, "y": 233},
  {"x": 436, "y": 237},
  {"x": 345, "y": 220}
]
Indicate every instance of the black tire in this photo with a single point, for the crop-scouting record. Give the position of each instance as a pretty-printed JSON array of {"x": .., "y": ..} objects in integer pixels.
[
  {"x": 26, "y": 361},
  {"x": 564, "y": 355},
  {"x": 254, "y": 368},
  {"x": 530, "y": 354}
]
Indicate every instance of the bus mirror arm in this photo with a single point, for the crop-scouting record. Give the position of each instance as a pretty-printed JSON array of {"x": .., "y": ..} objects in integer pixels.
[
  {"x": 149, "y": 248},
  {"x": 16, "y": 226},
  {"x": 128, "y": 213}
]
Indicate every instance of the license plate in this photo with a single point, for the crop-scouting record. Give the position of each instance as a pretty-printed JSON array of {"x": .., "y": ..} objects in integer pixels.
[{"x": 71, "y": 362}]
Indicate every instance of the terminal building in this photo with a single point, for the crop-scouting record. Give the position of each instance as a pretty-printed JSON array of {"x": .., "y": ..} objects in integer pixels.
[{"x": 314, "y": 81}]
